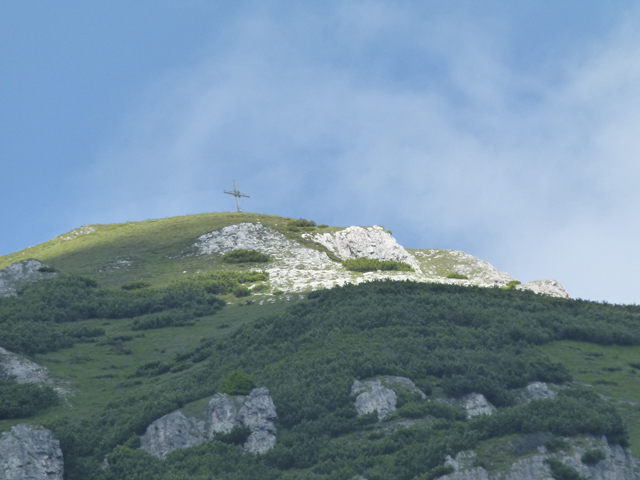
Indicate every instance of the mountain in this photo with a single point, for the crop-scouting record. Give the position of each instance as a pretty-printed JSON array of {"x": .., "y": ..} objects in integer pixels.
[{"x": 236, "y": 346}]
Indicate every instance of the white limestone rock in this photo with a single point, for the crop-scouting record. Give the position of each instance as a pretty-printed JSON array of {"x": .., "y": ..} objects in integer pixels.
[
  {"x": 374, "y": 397},
  {"x": 171, "y": 432},
  {"x": 538, "y": 391},
  {"x": 18, "y": 274},
  {"x": 30, "y": 453},
  {"x": 476, "y": 404},
  {"x": 222, "y": 414},
  {"x": 545, "y": 287},
  {"x": 618, "y": 464},
  {"x": 367, "y": 242},
  {"x": 22, "y": 370},
  {"x": 462, "y": 460}
]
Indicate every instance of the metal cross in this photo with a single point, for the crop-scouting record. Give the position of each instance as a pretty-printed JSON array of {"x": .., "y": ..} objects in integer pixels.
[{"x": 236, "y": 193}]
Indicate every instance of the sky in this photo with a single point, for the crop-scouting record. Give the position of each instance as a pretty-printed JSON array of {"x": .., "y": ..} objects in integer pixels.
[{"x": 508, "y": 130}]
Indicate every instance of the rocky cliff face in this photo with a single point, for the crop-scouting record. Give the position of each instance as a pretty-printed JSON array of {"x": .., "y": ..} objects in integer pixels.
[
  {"x": 618, "y": 464},
  {"x": 380, "y": 396},
  {"x": 29, "y": 453},
  {"x": 23, "y": 370},
  {"x": 297, "y": 268},
  {"x": 19, "y": 274},
  {"x": 223, "y": 413}
]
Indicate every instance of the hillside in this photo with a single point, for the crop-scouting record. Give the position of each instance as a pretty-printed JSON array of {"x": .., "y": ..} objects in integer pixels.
[
  {"x": 243, "y": 370},
  {"x": 304, "y": 257}
]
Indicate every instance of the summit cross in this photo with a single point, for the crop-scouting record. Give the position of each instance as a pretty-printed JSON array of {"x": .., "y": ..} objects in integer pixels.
[{"x": 236, "y": 193}]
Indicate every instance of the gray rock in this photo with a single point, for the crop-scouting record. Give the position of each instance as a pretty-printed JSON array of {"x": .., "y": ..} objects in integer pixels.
[
  {"x": 374, "y": 397},
  {"x": 618, "y": 464},
  {"x": 476, "y": 404},
  {"x": 21, "y": 369},
  {"x": 30, "y": 453},
  {"x": 19, "y": 274},
  {"x": 171, "y": 432},
  {"x": 222, "y": 414},
  {"x": 538, "y": 391},
  {"x": 546, "y": 287},
  {"x": 463, "y": 460},
  {"x": 259, "y": 414}
]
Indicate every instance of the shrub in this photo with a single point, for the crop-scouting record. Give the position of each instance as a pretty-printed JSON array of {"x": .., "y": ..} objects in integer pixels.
[
  {"x": 241, "y": 291},
  {"x": 511, "y": 285},
  {"x": 19, "y": 400},
  {"x": 556, "y": 444},
  {"x": 46, "y": 269},
  {"x": 372, "y": 265},
  {"x": 237, "y": 383},
  {"x": 135, "y": 285},
  {"x": 457, "y": 276},
  {"x": 303, "y": 223},
  {"x": 237, "y": 436},
  {"x": 242, "y": 255},
  {"x": 591, "y": 457},
  {"x": 560, "y": 471}
]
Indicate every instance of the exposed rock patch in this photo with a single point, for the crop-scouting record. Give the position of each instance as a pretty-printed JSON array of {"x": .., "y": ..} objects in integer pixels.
[
  {"x": 22, "y": 370},
  {"x": 171, "y": 432},
  {"x": 537, "y": 391},
  {"x": 380, "y": 396},
  {"x": 30, "y": 453},
  {"x": 297, "y": 268},
  {"x": 476, "y": 404},
  {"x": 545, "y": 287},
  {"x": 223, "y": 413},
  {"x": 618, "y": 464},
  {"x": 369, "y": 242},
  {"x": 18, "y": 274}
]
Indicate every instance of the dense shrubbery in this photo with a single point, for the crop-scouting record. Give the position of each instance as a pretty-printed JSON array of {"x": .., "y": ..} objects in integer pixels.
[
  {"x": 372, "y": 265},
  {"x": 241, "y": 255},
  {"x": 28, "y": 322},
  {"x": 560, "y": 471},
  {"x": 19, "y": 400},
  {"x": 457, "y": 276},
  {"x": 461, "y": 339},
  {"x": 237, "y": 383},
  {"x": 591, "y": 457},
  {"x": 300, "y": 223}
]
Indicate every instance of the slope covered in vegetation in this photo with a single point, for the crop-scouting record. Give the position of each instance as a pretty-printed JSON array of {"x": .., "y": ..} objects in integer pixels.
[{"x": 449, "y": 340}]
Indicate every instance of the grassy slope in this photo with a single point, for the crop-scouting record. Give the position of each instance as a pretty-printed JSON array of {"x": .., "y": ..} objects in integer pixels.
[
  {"x": 158, "y": 250},
  {"x": 97, "y": 374},
  {"x": 607, "y": 369}
]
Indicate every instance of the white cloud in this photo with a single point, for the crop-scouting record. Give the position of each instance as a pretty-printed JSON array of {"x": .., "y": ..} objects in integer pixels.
[{"x": 314, "y": 118}]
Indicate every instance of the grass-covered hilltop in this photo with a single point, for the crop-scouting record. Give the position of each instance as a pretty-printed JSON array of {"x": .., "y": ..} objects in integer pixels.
[{"x": 246, "y": 346}]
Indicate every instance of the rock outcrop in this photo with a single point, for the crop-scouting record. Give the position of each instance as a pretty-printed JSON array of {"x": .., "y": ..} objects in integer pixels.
[
  {"x": 223, "y": 413},
  {"x": 171, "y": 432},
  {"x": 21, "y": 273},
  {"x": 30, "y": 453},
  {"x": 22, "y": 370},
  {"x": 369, "y": 242},
  {"x": 476, "y": 404},
  {"x": 537, "y": 391},
  {"x": 380, "y": 396},
  {"x": 294, "y": 267},
  {"x": 545, "y": 287},
  {"x": 618, "y": 464}
]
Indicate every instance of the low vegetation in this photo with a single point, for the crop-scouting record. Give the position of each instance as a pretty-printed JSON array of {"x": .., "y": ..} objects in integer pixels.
[
  {"x": 241, "y": 255},
  {"x": 457, "y": 276},
  {"x": 372, "y": 265}
]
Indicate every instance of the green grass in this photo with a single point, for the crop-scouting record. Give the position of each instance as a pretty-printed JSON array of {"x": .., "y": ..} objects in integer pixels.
[
  {"x": 607, "y": 370},
  {"x": 153, "y": 251},
  {"x": 96, "y": 374}
]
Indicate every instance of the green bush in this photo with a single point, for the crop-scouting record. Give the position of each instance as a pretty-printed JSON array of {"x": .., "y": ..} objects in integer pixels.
[
  {"x": 242, "y": 255},
  {"x": 372, "y": 265},
  {"x": 560, "y": 471},
  {"x": 20, "y": 400},
  {"x": 511, "y": 285},
  {"x": 237, "y": 436},
  {"x": 237, "y": 383},
  {"x": 300, "y": 223},
  {"x": 135, "y": 285},
  {"x": 241, "y": 291},
  {"x": 556, "y": 444},
  {"x": 457, "y": 276},
  {"x": 46, "y": 269},
  {"x": 591, "y": 457}
]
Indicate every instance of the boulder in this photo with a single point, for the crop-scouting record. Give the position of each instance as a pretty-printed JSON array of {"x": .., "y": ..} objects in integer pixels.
[
  {"x": 476, "y": 404},
  {"x": 374, "y": 397},
  {"x": 171, "y": 432},
  {"x": 222, "y": 414},
  {"x": 21, "y": 273},
  {"x": 30, "y": 453},
  {"x": 537, "y": 391}
]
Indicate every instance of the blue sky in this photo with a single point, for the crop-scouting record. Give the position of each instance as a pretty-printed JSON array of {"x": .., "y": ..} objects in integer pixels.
[{"x": 504, "y": 129}]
